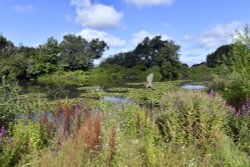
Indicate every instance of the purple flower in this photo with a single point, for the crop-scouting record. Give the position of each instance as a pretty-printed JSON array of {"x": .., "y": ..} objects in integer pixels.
[
  {"x": 81, "y": 105},
  {"x": 211, "y": 93},
  {"x": 248, "y": 104},
  {"x": 177, "y": 103},
  {"x": 77, "y": 107},
  {"x": 238, "y": 113},
  {"x": 194, "y": 90},
  {"x": 232, "y": 109},
  {"x": 9, "y": 140},
  {"x": 2, "y": 132}
]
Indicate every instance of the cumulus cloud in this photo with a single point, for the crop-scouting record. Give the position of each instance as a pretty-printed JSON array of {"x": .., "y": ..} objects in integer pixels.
[
  {"x": 187, "y": 38},
  {"x": 192, "y": 58},
  {"x": 111, "y": 40},
  {"x": 139, "y": 36},
  {"x": 68, "y": 17},
  {"x": 23, "y": 8},
  {"x": 96, "y": 15},
  {"x": 218, "y": 35},
  {"x": 142, "y": 3}
]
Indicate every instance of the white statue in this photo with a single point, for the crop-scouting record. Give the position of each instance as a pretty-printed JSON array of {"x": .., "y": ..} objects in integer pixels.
[{"x": 150, "y": 78}]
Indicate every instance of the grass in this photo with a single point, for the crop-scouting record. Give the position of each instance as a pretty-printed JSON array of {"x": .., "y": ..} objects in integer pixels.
[{"x": 181, "y": 128}]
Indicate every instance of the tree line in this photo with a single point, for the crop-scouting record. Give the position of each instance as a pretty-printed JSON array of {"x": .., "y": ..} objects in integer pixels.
[
  {"x": 76, "y": 53},
  {"x": 73, "y": 53}
]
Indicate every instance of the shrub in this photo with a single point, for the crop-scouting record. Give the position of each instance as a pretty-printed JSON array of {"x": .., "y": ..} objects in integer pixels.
[
  {"x": 8, "y": 103},
  {"x": 192, "y": 118}
]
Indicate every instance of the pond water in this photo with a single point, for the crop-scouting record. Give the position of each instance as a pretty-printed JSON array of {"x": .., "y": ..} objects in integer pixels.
[
  {"x": 119, "y": 100},
  {"x": 54, "y": 92},
  {"x": 191, "y": 87}
]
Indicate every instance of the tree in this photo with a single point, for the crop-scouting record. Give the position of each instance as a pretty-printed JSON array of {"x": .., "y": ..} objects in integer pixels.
[
  {"x": 46, "y": 59},
  {"x": 77, "y": 53},
  {"x": 236, "y": 87},
  {"x": 150, "y": 53},
  {"x": 6, "y": 47},
  {"x": 50, "y": 51},
  {"x": 220, "y": 56}
]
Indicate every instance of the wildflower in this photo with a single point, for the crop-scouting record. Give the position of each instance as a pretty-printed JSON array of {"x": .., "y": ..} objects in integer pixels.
[
  {"x": 2, "y": 132},
  {"x": 248, "y": 104},
  {"x": 237, "y": 113},
  {"x": 232, "y": 109},
  {"x": 177, "y": 103},
  {"x": 9, "y": 140},
  {"x": 211, "y": 93},
  {"x": 81, "y": 105}
]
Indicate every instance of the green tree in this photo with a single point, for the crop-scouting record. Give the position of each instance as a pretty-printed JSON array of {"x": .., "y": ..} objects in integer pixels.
[
  {"x": 46, "y": 60},
  {"x": 150, "y": 53},
  {"x": 220, "y": 56},
  {"x": 236, "y": 87},
  {"x": 6, "y": 47},
  {"x": 77, "y": 53}
]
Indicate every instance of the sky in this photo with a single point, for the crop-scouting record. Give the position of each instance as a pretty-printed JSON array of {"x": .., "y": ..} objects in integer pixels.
[{"x": 198, "y": 26}]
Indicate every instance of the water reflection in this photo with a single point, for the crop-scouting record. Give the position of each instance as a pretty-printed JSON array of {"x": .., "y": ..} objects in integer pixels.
[
  {"x": 191, "y": 87},
  {"x": 119, "y": 100}
]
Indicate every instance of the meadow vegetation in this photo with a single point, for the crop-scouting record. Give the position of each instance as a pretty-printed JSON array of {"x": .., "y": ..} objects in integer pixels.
[{"x": 166, "y": 126}]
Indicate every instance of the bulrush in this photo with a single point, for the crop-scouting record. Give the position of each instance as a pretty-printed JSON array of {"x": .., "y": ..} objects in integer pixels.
[{"x": 112, "y": 142}]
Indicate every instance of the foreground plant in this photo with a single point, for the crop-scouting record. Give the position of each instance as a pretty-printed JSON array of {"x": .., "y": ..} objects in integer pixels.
[{"x": 192, "y": 118}]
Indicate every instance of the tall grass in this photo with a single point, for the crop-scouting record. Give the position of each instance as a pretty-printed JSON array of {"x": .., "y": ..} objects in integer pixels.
[{"x": 181, "y": 128}]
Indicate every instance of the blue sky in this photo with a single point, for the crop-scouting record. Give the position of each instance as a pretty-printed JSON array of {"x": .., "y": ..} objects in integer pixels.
[{"x": 198, "y": 26}]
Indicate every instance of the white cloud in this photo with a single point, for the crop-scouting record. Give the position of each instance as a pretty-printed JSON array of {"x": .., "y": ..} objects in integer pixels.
[
  {"x": 218, "y": 35},
  {"x": 165, "y": 25},
  {"x": 68, "y": 18},
  {"x": 96, "y": 15},
  {"x": 139, "y": 36},
  {"x": 111, "y": 40},
  {"x": 142, "y": 3},
  {"x": 187, "y": 38},
  {"x": 23, "y": 9},
  {"x": 192, "y": 58}
]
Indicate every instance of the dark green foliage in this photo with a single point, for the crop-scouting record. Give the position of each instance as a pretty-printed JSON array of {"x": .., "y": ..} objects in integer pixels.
[
  {"x": 236, "y": 84},
  {"x": 6, "y": 47},
  {"x": 77, "y": 53},
  {"x": 190, "y": 117},
  {"x": 8, "y": 103},
  {"x": 155, "y": 52},
  {"x": 73, "y": 53},
  {"x": 235, "y": 88},
  {"x": 201, "y": 73},
  {"x": 220, "y": 57},
  {"x": 46, "y": 60},
  {"x": 238, "y": 129}
]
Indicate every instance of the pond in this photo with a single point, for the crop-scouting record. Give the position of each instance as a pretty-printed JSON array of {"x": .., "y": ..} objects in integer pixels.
[
  {"x": 54, "y": 92},
  {"x": 119, "y": 100},
  {"x": 192, "y": 87}
]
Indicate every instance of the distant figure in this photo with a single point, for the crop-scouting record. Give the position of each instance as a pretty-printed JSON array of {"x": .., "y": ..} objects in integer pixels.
[{"x": 150, "y": 78}]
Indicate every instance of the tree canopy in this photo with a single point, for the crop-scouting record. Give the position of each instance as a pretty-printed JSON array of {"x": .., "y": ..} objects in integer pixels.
[
  {"x": 73, "y": 53},
  {"x": 154, "y": 52},
  {"x": 220, "y": 56}
]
